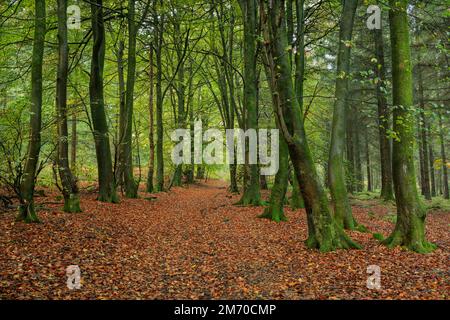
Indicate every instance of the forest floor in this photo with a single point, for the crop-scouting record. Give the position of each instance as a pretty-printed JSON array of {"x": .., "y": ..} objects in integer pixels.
[{"x": 193, "y": 243}]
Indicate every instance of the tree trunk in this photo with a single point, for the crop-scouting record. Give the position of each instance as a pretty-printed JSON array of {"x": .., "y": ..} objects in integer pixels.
[
  {"x": 444, "y": 159},
  {"x": 126, "y": 117},
  {"x": 431, "y": 159},
  {"x": 369, "y": 175},
  {"x": 73, "y": 145},
  {"x": 350, "y": 140},
  {"x": 27, "y": 211},
  {"x": 159, "y": 108},
  {"x": 107, "y": 192},
  {"x": 410, "y": 227},
  {"x": 323, "y": 232},
  {"x": 151, "y": 160},
  {"x": 251, "y": 194},
  {"x": 177, "y": 176},
  {"x": 342, "y": 209},
  {"x": 296, "y": 201},
  {"x": 119, "y": 164},
  {"x": 387, "y": 191},
  {"x": 68, "y": 183},
  {"x": 425, "y": 162},
  {"x": 358, "y": 163},
  {"x": 278, "y": 193}
]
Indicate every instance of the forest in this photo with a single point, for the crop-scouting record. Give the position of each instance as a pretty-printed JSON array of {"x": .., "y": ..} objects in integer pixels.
[{"x": 224, "y": 149}]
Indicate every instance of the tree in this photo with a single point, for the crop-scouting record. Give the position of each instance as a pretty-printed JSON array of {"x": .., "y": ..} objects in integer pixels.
[
  {"x": 384, "y": 126},
  {"x": 444, "y": 158},
  {"x": 68, "y": 182},
  {"x": 159, "y": 26},
  {"x": 27, "y": 211},
  {"x": 251, "y": 195},
  {"x": 410, "y": 227},
  {"x": 107, "y": 191},
  {"x": 323, "y": 232},
  {"x": 151, "y": 139},
  {"x": 126, "y": 117},
  {"x": 336, "y": 172}
]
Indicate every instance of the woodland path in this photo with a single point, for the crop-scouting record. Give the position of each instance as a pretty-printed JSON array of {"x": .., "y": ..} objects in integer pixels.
[{"x": 194, "y": 243}]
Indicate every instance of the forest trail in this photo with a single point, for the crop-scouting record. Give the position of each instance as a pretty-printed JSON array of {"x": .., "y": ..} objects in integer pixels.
[{"x": 194, "y": 243}]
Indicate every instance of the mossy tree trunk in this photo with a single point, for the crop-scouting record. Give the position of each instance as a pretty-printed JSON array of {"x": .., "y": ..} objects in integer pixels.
[
  {"x": 431, "y": 160},
  {"x": 384, "y": 123},
  {"x": 107, "y": 190},
  {"x": 68, "y": 182},
  {"x": 159, "y": 105},
  {"x": 368, "y": 166},
  {"x": 27, "y": 211},
  {"x": 423, "y": 136},
  {"x": 445, "y": 188},
  {"x": 338, "y": 188},
  {"x": 296, "y": 201},
  {"x": 274, "y": 210},
  {"x": 323, "y": 232},
  {"x": 410, "y": 227},
  {"x": 126, "y": 176},
  {"x": 180, "y": 89},
  {"x": 251, "y": 195},
  {"x": 151, "y": 139}
]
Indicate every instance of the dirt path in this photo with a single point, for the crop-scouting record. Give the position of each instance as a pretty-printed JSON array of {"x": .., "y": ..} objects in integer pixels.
[{"x": 193, "y": 243}]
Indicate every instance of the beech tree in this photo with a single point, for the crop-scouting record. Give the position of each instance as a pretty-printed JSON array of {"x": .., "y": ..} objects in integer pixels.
[
  {"x": 411, "y": 214},
  {"x": 27, "y": 211},
  {"x": 107, "y": 189}
]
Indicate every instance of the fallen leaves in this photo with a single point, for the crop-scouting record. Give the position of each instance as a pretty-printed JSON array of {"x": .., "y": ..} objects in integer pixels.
[{"x": 192, "y": 243}]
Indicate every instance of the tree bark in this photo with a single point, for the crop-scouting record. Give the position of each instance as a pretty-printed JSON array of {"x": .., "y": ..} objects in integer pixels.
[
  {"x": 342, "y": 209},
  {"x": 126, "y": 118},
  {"x": 410, "y": 227},
  {"x": 251, "y": 194},
  {"x": 323, "y": 232},
  {"x": 431, "y": 159},
  {"x": 151, "y": 139},
  {"x": 68, "y": 182},
  {"x": 384, "y": 123},
  {"x": 107, "y": 192},
  {"x": 425, "y": 162},
  {"x": 369, "y": 174},
  {"x": 27, "y": 211},
  {"x": 444, "y": 159},
  {"x": 159, "y": 107}
]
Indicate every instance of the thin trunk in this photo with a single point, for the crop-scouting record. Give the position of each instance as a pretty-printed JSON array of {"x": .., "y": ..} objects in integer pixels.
[
  {"x": 342, "y": 209},
  {"x": 431, "y": 159},
  {"x": 296, "y": 200},
  {"x": 151, "y": 160},
  {"x": 251, "y": 194},
  {"x": 119, "y": 164},
  {"x": 384, "y": 123},
  {"x": 359, "y": 184},
  {"x": 424, "y": 164},
  {"x": 274, "y": 210},
  {"x": 73, "y": 145},
  {"x": 350, "y": 141},
  {"x": 68, "y": 182},
  {"x": 369, "y": 175},
  {"x": 159, "y": 109},
  {"x": 180, "y": 90},
  {"x": 107, "y": 192},
  {"x": 444, "y": 160},
  {"x": 410, "y": 227},
  {"x": 27, "y": 211},
  {"x": 130, "y": 185}
]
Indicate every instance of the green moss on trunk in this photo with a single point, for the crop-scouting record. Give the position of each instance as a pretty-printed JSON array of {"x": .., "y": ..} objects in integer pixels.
[
  {"x": 411, "y": 214},
  {"x": 72, "y": 204}
]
